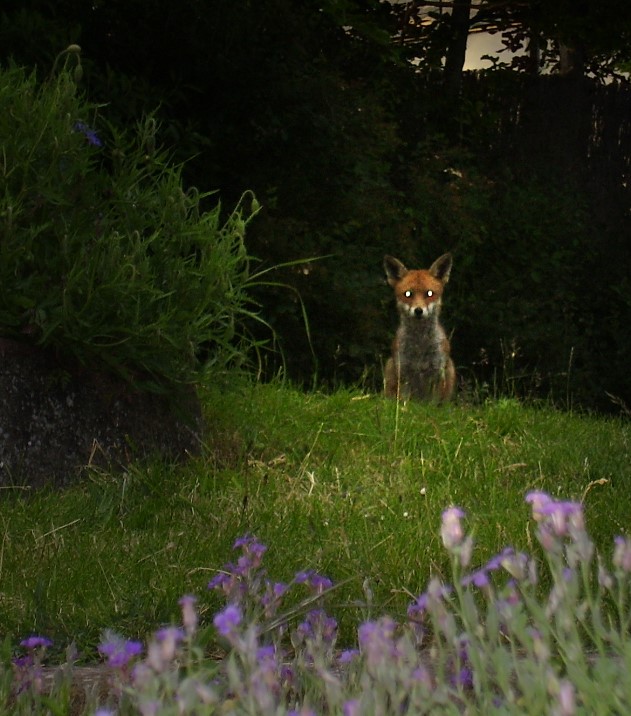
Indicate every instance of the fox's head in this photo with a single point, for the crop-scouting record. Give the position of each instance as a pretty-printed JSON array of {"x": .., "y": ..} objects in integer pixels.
[{"x": 418, "y": 292}]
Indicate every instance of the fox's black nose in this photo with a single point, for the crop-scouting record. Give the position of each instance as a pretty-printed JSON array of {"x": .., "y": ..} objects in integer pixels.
[{"x": 418, "y": 312}]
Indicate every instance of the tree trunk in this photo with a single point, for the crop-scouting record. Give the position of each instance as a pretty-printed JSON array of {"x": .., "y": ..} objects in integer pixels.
[{"x": 457, "y": 49}]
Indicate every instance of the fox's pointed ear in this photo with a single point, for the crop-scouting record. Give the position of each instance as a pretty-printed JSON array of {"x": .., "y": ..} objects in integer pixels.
[
  {"x": 394, "y": 269},
  {"x": 441, "y": 268}
]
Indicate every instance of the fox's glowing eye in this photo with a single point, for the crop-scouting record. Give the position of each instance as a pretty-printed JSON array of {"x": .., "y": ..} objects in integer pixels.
[
  {"x": 408, "y": 294},
  {"x": 430, "y": 293}
]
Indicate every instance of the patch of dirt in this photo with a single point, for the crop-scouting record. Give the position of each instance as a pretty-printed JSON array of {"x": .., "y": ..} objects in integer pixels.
[{"x": 58, "y": 418}]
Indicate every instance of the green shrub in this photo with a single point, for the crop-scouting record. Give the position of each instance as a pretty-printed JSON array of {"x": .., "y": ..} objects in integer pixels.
[{"x": 104, "y": 257}]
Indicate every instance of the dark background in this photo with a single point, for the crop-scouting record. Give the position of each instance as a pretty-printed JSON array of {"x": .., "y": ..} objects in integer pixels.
[{"x": 353, "y": 151}]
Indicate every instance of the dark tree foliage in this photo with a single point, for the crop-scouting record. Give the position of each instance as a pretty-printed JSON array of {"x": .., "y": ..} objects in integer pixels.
[
  {"x": 567, "y": 36},
  {"x": 355, "y": 152}
]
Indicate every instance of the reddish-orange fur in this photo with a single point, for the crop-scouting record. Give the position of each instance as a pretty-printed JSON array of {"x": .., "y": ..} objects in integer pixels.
[{"x": 421, "y": 366}]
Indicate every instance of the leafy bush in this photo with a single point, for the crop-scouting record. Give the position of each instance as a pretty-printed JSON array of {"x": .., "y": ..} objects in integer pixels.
[
  {"x": 508, "y": 637},
  {"x": 104, "y": 256}
]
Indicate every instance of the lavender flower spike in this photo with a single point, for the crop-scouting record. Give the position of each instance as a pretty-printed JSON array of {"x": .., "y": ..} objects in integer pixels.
[
  {"x": 451, "y": 529},
  {"x": 227, "y": 620},
  {"x": 118, "y": 651},
  {"x": 189, "y": 614},
  {"x": 35, "y": 642},
  {"x": 89, "y": 133}
]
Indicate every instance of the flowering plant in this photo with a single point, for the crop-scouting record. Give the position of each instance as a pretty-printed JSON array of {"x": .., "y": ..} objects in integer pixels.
[{"x": 519, "y": 634}]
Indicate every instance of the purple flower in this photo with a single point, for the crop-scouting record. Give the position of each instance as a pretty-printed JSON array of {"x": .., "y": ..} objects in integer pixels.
[
  {"x": 567, "y": 699},
  {"x": 219, "y": 580},
  {"x": 189, "y": 615},
  {"x": 119, "y": 652},
  {"x": 251, "y": 546},
  {"x": 538, "y": 500},
  {"x": 35, "y": 642},
  {"x": 27, "y": 673},
  {"x": 479, "y": 578},
  {"x": 316, "y": 581},
  {"x": 451, "y": 529},
  {"x": 318, "y": 625},
  {"x": 242, "y": 541},
  {"x": 560, "y": 514},
  {"x": 227, "y": 620},
  {"x": 463, "y": 679},
  {"x": 436, "y": 591},
  {"x": 89, "y": 133},
  {"x": 266, "y": 653},
  {"x": 162, "y": 650},
  {"x": 320, "y": 583},
  {"x": 377, "y": 642},
  {"x": 352, "y": 707},
  {"x": 348, "y": 655},
  {"x": 516, "y": 564},
  {"x": 287, "y": 674},
  {"x": 462, "y": 675},
  {"x": 303, "y": 576},
  {"x": 274, "y": 591},
  {"x": 23, "y": 662},
  {"x": 622, "y": 554},
  {"x": 170, "y": 633},
  {"x": 417, "y": 609},
  {"x": 500, "y": 559}
]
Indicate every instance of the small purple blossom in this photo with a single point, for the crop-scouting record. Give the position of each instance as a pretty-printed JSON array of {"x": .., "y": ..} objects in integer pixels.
[
  {"x": 36, "y": 642},
  {"x": 462, "y": 675},
  {"x": 287, "y": 674},
  {"x": 516, "y": 564},
  {"x": 557, "y": 520},
  {"x": 463, "y": 678},
  {"x": 303, "y": 576},
  {"x": 170, "y": 633},
  {"x": 500, "y": 559},
  {"x": 622, "y": 554},
  {"x": 318, "y": 625},
  {"x": 417, "y": 609},
  {"x": 451, "y": 528},
  {"x": 538, "y": 500},
  {"x": 567, "y": 699},
  {"x": 163, "y": 648},
  {"x": 245, "y": 578},
  {"x": 315, "y": 581},
  {"x": 189, "y": 614},
  {"x": 252, "y": 549},
  {"x": 227, "y": 620},
  {"x": 561, "y": 514},
  {"x": 279, "y": 588},
  {"x": 479, "y": 578},
  {"x": 119, "y": 651},
  {"x": 89, "y": 133},
  {"x": 219, "y": 580},
  {"x": 348, "y": 655},
  {"x": 436, "y": 592},
  {"x": 28, "y": 674},
  {"x": 377, "y": 642},
  {"x": 266, "y": 653}
]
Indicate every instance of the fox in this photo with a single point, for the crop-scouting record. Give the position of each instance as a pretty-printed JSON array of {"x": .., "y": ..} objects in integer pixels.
[{"x": 421, "y": 367}]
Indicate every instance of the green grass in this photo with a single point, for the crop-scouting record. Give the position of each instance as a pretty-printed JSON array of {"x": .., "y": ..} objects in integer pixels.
[{"x": 349, "y": 484}]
